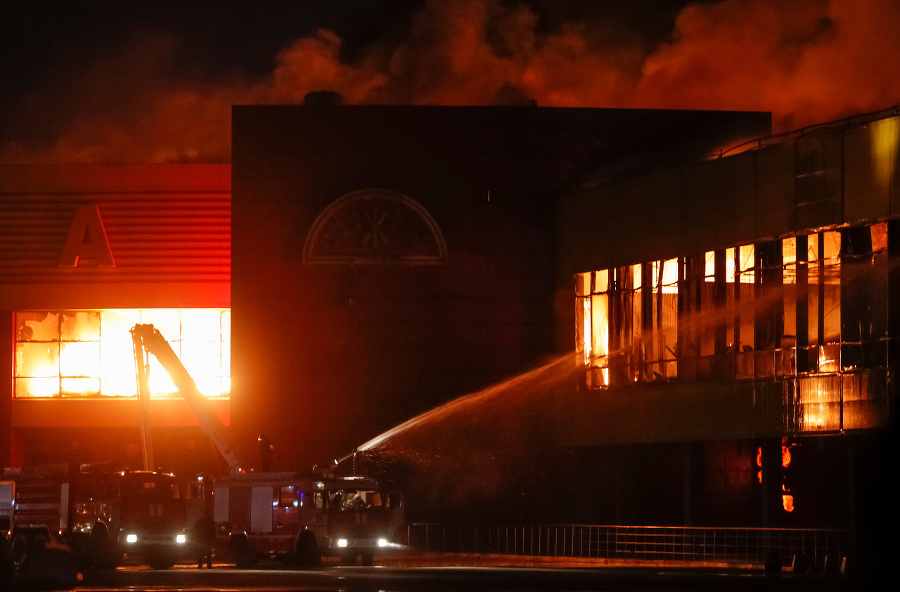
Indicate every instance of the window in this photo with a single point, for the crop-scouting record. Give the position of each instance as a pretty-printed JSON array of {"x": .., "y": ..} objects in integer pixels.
[
  {"x": 783, "y": 306},
  {"x": 592, "y": 293},
  {"x": 803, "y": 316},
  {"x": 663, "y": 323},
  {"x": 633, "y": 312},
  {"x": 89, "y": 353},
  {"x": 286, "y": 497}
]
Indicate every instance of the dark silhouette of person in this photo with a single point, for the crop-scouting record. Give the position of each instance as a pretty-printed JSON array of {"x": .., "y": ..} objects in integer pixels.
[
  {"x": 204, "y": 537},
  {"x": 266, "y": 451}
]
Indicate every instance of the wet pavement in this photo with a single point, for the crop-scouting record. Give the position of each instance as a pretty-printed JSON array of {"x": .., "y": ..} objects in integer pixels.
[{"x": 425, "y": 572}]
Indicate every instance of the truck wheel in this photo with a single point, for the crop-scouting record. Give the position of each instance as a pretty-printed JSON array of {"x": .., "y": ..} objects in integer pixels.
[
  {"x": 101, "y": 552},
  {"x": 41, "y": 541},
  {"x": 19, "y": 546},
  {"x": 307, "y": 554},
  {"x": 240, "y": 551},
  {"x": 8, "y": 571},
  {"x": 161, "y": 558}
]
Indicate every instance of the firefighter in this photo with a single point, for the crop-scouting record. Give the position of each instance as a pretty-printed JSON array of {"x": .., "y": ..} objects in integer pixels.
[
  {"x": 204, "y": 539},
  {"x": 266, "y": 451}
]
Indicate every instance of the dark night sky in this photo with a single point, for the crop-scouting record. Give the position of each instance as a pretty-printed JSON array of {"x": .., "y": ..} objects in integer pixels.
[{"x": 105, "y": 81}]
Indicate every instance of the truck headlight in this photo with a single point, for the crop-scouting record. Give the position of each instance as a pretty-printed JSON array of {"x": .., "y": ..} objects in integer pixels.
[
  {"x": 383, "y": 542},
  {"x": 130, "y": 538},
  {"x": 180, "y": 539},
  {"x": 342, "y": 543}
]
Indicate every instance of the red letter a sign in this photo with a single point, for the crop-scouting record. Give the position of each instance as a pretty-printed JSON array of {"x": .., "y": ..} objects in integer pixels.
[{"x": 87, "y": 243}]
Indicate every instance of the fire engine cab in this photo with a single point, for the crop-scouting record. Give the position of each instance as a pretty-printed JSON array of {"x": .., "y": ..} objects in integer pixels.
[
  {"x": 303, "y": 517},
  {"x": 101, "y": 513},
  {"x": 295, "y": 515}
]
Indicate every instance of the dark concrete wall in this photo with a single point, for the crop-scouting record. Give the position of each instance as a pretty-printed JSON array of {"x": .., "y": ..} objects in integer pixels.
[
  {"x": 326, "y": 357},
  {"x": 347, "y": 351}
]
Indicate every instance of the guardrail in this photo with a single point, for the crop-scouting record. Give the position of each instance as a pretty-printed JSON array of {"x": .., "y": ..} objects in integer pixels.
[{"x": 817, "y": 549}]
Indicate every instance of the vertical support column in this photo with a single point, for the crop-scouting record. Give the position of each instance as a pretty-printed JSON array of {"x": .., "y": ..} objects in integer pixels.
[
  {"x": 770, "y": 488},
  {"x": 7, "y": 352},
  {"x": 688, "y": 309},
  {"x": 769, "y": 317},
  {"x": 721, "y": 294},
  {"x": 893, "y": 308},
  {"x": 616, "y": 312},
  {"x": 802, "y": 328},
  {"x": 686, "y": 487},
  {"x": 693, "y": 491}
]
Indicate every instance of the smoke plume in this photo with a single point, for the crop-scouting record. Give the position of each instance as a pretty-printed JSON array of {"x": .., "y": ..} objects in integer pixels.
[{"x": 807, "y": 62}]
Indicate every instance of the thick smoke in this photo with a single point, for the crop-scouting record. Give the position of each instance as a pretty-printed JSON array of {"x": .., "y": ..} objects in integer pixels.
[{"x": 807, "y": 62}]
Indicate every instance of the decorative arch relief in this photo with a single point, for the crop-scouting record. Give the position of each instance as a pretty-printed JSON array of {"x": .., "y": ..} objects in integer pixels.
[{"x": 375, "y": 226}]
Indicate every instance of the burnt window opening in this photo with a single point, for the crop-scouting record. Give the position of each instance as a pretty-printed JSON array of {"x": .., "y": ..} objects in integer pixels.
[
  {"x": 89, "y": 353},
  {"x": 809, "y": 312}
]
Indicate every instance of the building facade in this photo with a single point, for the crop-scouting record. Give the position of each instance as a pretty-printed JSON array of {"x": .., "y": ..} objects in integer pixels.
[
  {"x": 738, "y": 324},
  {"x": 358, "y": 267},
  {"x": 388, "y": 260},
  {"x": 87, "y": 251}
]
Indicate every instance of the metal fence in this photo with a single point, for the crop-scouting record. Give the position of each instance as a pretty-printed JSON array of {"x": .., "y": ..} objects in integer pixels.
[{"x": 817, "y": 548}]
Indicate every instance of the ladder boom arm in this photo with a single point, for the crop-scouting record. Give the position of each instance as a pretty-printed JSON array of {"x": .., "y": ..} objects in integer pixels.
[{"x": 151, "y": 340}]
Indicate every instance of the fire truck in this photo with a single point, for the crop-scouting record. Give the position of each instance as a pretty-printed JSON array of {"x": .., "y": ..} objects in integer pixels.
[
  {"x": 100, "y": 513},
  {"x": 297, "y": 515},
  {"x": 304, "y": 516}
]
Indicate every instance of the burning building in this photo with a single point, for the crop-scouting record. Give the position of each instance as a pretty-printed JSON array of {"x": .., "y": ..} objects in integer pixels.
[
  {"x": 356, "y": 266},
  {"x": 741, "y": 307},
  {"x": 87, "y": 252},
  {"x": 389, "y": 259}
]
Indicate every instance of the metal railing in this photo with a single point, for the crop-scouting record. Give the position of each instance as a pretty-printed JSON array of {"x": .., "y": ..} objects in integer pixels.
[{"x": 652, "y": 543}]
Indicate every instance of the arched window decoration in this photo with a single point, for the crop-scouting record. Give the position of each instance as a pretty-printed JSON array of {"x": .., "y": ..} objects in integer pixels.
[{"x": 375, "y": 226}]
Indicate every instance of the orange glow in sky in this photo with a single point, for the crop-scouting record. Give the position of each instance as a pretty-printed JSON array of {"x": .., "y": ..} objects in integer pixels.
[{"x": 807, "y": 62}]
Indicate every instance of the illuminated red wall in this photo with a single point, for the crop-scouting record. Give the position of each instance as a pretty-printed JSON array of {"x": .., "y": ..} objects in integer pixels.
[{"x": 167, "y": 230}]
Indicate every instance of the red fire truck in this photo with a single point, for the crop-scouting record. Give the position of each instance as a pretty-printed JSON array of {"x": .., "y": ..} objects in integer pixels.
[
  {"x": 102, "y": 514},
  {"x": 288, "y": 514},
  {"x": 304, "y": 516}
]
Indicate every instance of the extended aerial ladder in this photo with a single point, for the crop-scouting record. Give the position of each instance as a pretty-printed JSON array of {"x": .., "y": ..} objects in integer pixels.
[
  {"x": 277, "y": 513},
  {"x": 148, "y": 340}
]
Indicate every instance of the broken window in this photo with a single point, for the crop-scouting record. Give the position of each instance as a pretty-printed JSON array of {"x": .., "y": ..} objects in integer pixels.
[
  {"x": 631, "y": 311},
  {"x": 89, "y": 353},
  {"x": 799, "y": 311},
  {"x": 593, "y": 325},
  {"x": 709, "y": 307},
  {"x": 828, "y": 287},
  {"x": 786, "y": 348},
  {"x": 661, "y": 321}
]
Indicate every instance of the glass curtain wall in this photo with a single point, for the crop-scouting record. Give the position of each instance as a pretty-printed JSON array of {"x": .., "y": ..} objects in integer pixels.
[{"x": 809, "y": 311}]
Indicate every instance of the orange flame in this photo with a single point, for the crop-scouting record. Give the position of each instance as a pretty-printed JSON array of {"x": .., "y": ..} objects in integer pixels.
[
  {"x": 787, "y": 500},
  {"x": 86, "y": 361}
]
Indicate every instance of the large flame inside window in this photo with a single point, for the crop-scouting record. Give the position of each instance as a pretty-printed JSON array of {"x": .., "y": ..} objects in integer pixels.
[{"x": 89, "y": 353}]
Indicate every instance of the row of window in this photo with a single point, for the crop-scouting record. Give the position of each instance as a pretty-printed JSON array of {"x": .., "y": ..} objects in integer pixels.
[
  {"x": 814, "y": 303},
  {"x": 90, "y": 353}
]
